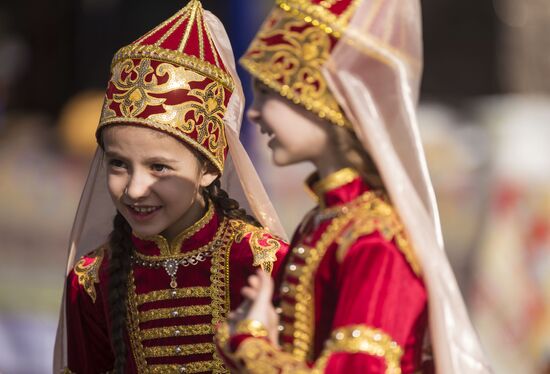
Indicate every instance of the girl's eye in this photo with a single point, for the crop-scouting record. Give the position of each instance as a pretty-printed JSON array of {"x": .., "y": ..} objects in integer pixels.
[
  {"x": 159, "y": 168},
  {"x": 117, "y": 164}
]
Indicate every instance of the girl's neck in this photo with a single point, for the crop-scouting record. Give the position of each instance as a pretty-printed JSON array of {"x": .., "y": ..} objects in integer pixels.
[
  {"x": 195, "y": 212},
  {"x": 330, "y": 162}
]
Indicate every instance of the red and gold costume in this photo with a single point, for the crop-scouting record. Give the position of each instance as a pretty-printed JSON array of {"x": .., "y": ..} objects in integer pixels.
[
  {"x": 170, "y": 329},
  {"x": 351, "y": 298},
  {"x": 178, "y": 79},
  {"x": 355, "y": 289}
]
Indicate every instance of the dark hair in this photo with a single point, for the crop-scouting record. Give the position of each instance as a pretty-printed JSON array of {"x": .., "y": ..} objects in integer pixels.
[
  {"x": 230, "y": 207},
  {"x": 351, "y": 150}
]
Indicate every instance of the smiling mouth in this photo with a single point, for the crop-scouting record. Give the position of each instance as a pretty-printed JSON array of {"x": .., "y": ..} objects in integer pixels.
[{"x": 142, "y": 211}]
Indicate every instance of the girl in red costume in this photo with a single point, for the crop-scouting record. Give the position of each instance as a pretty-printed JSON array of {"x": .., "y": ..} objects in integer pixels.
[
  {"x": 146, "y": 298},
  {"x": 336, "y": 84}
]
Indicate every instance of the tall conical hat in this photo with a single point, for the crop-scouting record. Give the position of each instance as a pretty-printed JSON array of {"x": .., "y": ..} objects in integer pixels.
[{"x": 173, "y": 79}]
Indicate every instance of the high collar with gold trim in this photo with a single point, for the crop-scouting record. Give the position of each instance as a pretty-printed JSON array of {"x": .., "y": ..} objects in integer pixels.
[
  {"x": 337, "y": 188},
  {"x": 193, "y": 237}
]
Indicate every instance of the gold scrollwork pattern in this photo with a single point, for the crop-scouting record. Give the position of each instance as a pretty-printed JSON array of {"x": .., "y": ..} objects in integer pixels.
[
  {"x": 87, "y": 271},
  {"x": 293, "y": 67},
  {"x": 263, "y": 245},
  {"x": 197, "y": 118}
]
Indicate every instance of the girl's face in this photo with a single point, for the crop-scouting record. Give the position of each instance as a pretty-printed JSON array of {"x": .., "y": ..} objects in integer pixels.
[
  {"x": 154, "y": 180},
  {"x": 296, "y": 134}
]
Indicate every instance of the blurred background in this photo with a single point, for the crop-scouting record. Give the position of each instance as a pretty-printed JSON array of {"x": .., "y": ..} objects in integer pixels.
[{"x": 485, "y": 122}]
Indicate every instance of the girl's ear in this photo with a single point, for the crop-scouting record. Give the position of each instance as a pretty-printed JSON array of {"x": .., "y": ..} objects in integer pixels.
[{"x": 208, "y": 175}]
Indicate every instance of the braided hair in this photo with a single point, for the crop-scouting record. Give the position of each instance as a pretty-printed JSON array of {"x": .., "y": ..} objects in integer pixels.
[{"x": 119, "y": 269}]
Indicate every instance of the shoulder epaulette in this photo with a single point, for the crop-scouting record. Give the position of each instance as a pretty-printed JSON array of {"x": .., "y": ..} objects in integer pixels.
[
  {"x": 263, "y": 244},
  {"x": 377, "y": 216},
  {"x": 87, "y": 271}
]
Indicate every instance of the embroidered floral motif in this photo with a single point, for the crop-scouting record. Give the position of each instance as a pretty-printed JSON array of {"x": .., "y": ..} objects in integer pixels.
[
  {"x": 263, "y": 245},
  {"x": 87, "y": 271}
]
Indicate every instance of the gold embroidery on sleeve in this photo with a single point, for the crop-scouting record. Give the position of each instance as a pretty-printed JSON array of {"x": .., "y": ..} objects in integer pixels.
[
  {"x": 363, "y": 339},
  {"x": 264, "y": 247},
  {"x": 259, "y": 356},
  {"x": 88, "y": 273}
]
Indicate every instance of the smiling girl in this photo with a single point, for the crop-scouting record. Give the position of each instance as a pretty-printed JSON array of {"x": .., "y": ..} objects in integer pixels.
[
  {"x": 336, "y": 84},
  {"x": 180, "y": 249}
]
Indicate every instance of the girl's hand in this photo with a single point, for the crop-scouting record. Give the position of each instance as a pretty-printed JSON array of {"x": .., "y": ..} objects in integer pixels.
[{"x": 257, "y": 305}]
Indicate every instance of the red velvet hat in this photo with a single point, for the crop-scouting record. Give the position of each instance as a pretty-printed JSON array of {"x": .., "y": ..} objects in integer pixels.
[
  {"x": 292, "y": 46},
  {"x": 173, "y": 79}
]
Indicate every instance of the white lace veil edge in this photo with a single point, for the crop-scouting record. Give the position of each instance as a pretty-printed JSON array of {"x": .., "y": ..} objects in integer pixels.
[
  {"x": 95, "y": 213},
  {"x": 374, "y": 72}
]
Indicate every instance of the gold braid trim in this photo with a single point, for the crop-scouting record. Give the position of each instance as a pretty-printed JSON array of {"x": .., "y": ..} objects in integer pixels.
[
  {"x": 175, "y": 331},
  {"x": 219, "y": 279},
  {"x": 193, "y": 367},
  {"x": 263, "y": 245},
  {"x": 179, "y": 350},
  {"x": 88, "y": 274},
  {"x": 167, "y": 313},
  {"x": 257, "y": 355},
  {"x": 303, "y": 310},
  {"x": 179, "y": 293},
  {"x": 362, "y": 339}
]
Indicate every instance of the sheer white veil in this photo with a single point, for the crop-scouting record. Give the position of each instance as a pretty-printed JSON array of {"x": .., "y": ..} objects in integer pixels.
[
  {"x": 375, "y": 72},
  {"x": 95, "y": 213}
]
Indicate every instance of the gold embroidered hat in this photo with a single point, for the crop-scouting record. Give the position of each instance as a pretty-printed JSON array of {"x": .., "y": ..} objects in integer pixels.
[
  {"x": 173, "y": 79},
  {"x": 291, "y": 47}
]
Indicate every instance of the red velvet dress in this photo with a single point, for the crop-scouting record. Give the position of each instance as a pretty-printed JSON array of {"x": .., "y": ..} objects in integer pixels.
[
  {"x": 351, "y": 298},
  {"x": 170, "y": 329}
]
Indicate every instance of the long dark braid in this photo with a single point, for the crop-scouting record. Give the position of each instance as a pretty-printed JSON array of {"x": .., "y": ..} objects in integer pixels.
[
  {"x": 230, "y": 207},
  {"x": 119, "y": 268}
]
